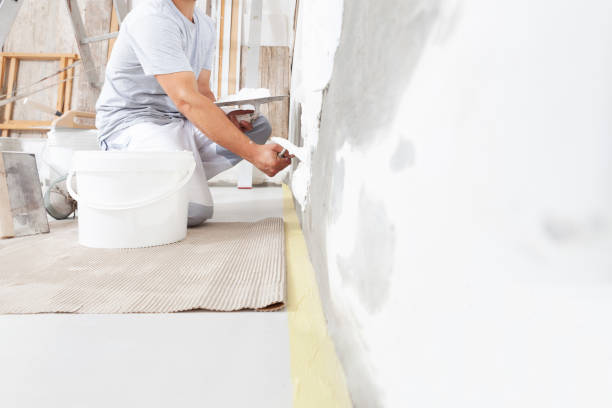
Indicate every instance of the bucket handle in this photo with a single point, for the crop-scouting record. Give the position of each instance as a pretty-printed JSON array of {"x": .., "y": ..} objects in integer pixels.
[{"x": 132, "y": 205}]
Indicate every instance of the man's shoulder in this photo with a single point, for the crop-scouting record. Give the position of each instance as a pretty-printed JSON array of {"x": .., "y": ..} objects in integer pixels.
[
  {"x": 149, "y": 9},
  {"x": 204, "y": 19}
]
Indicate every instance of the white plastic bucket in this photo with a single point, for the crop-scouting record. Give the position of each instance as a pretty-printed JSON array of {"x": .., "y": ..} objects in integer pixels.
[
  {"x": 131, "y": 199},
  {"x": 62, "y": 143}
]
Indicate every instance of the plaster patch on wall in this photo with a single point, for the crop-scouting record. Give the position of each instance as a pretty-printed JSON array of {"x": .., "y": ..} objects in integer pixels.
[
  {"x": 337, "y": 191},
  {"x": 403, "y": 156},
  {"x": 368, "y": 272},
  {"x": 347, "y": 337},
  {"x": 567, "y": 230},
  {"x": 317, "y": 38}
]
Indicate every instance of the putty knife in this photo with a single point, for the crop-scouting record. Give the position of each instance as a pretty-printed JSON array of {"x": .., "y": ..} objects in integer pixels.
[{"x": 298, "y": 152}]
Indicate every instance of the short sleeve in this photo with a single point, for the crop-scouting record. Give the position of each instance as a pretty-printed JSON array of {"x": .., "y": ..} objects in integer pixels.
[
  {"x": 157, "y": 43},
  {"x": 211, "y": 43}
]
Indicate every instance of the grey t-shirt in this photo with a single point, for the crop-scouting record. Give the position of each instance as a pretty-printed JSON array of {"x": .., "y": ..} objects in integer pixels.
[{"x": 155, "y": 38}]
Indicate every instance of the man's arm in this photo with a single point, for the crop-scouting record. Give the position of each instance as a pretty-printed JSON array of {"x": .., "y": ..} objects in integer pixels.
[
  {"x": 182, "y": 88},
  {"x": 204, "y": 85},
  {"x": 204, "y": 89}
]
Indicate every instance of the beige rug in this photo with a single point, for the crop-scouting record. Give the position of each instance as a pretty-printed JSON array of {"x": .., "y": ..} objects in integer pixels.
[{"x": 219, "y": 266}]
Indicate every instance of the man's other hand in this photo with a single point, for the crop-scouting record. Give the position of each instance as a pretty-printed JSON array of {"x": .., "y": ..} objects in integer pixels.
[
  {"x": 243, "y": 125},
  {"x": 267, "y": 159}
]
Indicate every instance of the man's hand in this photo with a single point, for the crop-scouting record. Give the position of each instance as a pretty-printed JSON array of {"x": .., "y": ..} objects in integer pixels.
[
  {"x": 266, "y": 159},
  {"x": 243, "y": 125}
]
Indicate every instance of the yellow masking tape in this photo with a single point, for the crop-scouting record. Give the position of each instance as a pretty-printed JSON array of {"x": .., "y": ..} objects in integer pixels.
[{"x": 317, "y": 376}]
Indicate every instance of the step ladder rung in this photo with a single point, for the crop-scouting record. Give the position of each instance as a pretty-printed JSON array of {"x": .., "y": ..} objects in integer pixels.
[{"x": 100, "y": 37}]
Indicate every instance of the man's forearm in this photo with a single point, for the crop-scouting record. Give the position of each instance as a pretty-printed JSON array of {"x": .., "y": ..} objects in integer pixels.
[{"x": 206, "y": 116}]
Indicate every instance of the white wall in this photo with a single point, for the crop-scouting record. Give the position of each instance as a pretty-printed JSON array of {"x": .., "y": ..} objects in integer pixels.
[{"x": 459, "y": 210}]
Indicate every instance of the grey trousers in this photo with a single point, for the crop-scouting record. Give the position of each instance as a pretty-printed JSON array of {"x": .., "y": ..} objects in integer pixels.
[{"x": 261, "y": 131}]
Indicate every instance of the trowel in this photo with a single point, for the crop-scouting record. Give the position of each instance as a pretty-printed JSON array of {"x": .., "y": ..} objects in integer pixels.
[{"x": 298, "y": 152}]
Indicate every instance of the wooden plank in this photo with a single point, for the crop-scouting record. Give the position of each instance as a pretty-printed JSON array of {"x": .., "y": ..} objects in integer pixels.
[
  {"x": 67, "y": 120},
  {"x": 220, "y": 48},
  {"x": 275, "y": 75},
  {"x": 234, "y": 48},
  {"x": 61, "y": 87},
  {"x": 6, "y": 215},
  {"x": 114, "y": 26},
  {"x": 25, "y": 194},
  {"x": 12, "y": 80},
  {"x": 38, "y": 56},
  {"x": 68, "y": 90},
  {"x": 26, "y": 125},
  {"x": 2, "y": 72}
]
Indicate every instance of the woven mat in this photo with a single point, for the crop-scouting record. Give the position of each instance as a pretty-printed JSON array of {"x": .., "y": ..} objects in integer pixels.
[{"x": 221, "y": 266}]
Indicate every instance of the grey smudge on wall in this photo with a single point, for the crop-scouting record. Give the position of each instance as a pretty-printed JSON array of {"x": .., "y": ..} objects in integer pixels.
[
  {"x": 368, "y": 268},
  {"x": 337, "y": 190},
  {"x": 564, "y": 230},
  {"x": 365, "y": 391},
  {"x": 403, "y": 156},
  {"x": 380, "y": 48}
]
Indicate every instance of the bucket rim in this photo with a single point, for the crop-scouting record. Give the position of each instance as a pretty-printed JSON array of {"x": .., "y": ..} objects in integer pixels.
[{"x": 100, "y": 160}]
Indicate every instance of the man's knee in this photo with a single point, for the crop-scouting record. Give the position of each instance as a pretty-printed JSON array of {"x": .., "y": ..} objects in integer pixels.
[
  {"x": 198, "y": 213},
  {"x": 259, "y": 134},
  {"x": 261, "y": 130}
]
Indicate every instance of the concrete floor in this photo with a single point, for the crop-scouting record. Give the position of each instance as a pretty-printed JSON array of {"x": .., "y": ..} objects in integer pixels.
[{"x": 196, "y": 359}]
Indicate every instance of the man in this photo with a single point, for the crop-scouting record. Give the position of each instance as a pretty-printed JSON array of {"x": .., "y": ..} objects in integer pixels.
[{"x": 156, "y": 96}]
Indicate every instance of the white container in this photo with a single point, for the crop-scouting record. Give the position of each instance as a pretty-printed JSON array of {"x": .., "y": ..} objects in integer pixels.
[
  {"x": 131, "y": 199},
  {"x": 62, "y": 143}
]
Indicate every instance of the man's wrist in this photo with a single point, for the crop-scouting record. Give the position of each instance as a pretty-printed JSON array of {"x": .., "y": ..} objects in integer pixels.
[{"x": 251, "y": 151}]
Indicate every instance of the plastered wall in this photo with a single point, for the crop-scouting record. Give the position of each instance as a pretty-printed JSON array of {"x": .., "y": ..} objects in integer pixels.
[{"x": 458, "y": 200}]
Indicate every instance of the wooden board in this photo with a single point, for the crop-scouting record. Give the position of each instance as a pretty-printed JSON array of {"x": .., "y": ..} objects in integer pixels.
[
  {"x": 2, "y": 64},
  {"x": 40, "y": 56},
  {"x": 11, "y": 81},
  {"x": 234, "y": 49},
  {"x": 33, "y": 125},
  {"x": 220, "y": 46},
  {"x": 275, "y": 75},
  {"x": 68, "y": 89},
  {"x": 114, "y": 26},
  {"x": 61, "y": 87},
  {"x": 23, "y": 213}
]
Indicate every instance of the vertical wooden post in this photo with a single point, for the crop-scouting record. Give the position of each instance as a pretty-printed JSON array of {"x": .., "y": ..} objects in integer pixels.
[
  {"x": 68, "y": 90},
  {"x": 114, "y": 26},
  {"x": 2, "y": 73},
  {"x": 10, "y": 86},
  {"x": 221, "y": 29},
  {"x": 234, "y": 48},
  {"x": 61, "y": 87}
]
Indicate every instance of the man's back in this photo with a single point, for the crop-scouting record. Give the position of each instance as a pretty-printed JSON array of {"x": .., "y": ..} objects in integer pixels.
[{"x": 155, "y": 38}]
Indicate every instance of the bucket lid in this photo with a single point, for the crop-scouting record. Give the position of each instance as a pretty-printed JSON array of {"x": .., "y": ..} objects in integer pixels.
[{"x": 131, "y": 161}]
